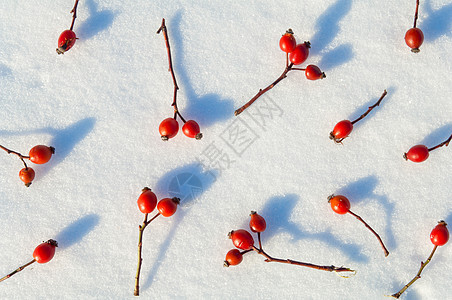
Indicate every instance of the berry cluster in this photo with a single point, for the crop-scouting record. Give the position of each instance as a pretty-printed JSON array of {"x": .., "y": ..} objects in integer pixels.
[
  {"x": 243, "y": 240},
  {"x": 147, "y": 202},
  {"x": 67, "y": 38},
  {"x": 296, "y": 54},
  {"x": 39, "y": 154},
  {"x": 42, "y": 254},
  {"x": 169, "y": 127}
]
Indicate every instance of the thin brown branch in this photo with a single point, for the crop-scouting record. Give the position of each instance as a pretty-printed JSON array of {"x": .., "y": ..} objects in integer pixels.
[
  {"x": 370, "y": 108},
  {"x": 74, "y": 14},
  {"x": 418, "y": 275},
  {"x": 416, "y": 13},
  {"x": 17, "y": 270},
  {"x": 445, "y": 143},
  {"x": 22, "y": 157},
  {"x": 170, "y": 69},
  {"x": 373, "y": 231}
]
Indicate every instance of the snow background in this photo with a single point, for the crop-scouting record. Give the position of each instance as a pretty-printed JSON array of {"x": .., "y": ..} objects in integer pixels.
[{"x": 100, "y": 105}]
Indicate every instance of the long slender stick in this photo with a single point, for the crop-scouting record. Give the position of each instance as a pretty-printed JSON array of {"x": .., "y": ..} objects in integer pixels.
[
  {"x": 373, "y": 231},
  {"x": 16, "y": 153},
  {"x": 371, "y": 107},
  {"x": 418, "y": 275},
  {"x": 170, "y": 63},
  {"x": 416, "y": 13},
  {"x": 74, "y": 14},
  {"x": 445, "y": 143},
  {"x": 17, "y": 270},
  {"x": 136, "y": 292}
]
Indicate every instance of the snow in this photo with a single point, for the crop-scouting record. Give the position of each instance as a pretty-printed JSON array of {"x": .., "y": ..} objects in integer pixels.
[{"x": 100, "y": 105}]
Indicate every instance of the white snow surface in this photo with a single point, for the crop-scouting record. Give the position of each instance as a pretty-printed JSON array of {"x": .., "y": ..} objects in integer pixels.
[{"x": 100, "y": 105}]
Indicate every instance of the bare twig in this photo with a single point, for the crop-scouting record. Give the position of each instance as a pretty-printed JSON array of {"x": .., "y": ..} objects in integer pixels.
[
  {"x": 74, "y": 14},
  {"x": 416, "y": 13},
  {"x": 17, "y": 270},
  {"x": 22, "y": 157},
  {"x": 370, "y": 108},
  {"x": 445, "y": 143}
]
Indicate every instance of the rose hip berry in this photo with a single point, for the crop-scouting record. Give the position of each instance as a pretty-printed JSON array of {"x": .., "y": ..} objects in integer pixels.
[
  {"x": 417, "y": 153},
  {"x": 340, "y": 204},
  {"x": 242, "y": 239},
  {"x": 341, "y": 130},
  {"x": 191, "y": 129},
  {"x": 440, "y": 234},
  {"x": 168, "y": 128},
  {"x": 27, "y": 175},
  {"x": 147, "y": 201},
  {"x": 44, "y": 252},
  {"x": 313, "y": 72},
  {"x": 67, "y": 38},
  {"x": 233, "y": 258},
  {"x": 414, "y": 38},
  {"x": 300, "y": 53},
  {"x": 257, "y": 222},
  {"x": 41, "y": 154},
  {"x": 168, "y": 206},
  {"x": 287, "y": 42}
]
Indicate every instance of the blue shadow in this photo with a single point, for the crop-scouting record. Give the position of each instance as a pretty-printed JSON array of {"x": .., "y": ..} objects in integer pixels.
[
  {"x": 437, "y": 136},
  {"x": 97, "y": 21},
  {"x": 205, "y": 109},
  {"x": 5, "y": 71},
  {"x": 277, "y": 211},
  {"x": 438, "y": 22},
  {"x": 336, "y": 57},
  {"x": 75, "y": 232}
]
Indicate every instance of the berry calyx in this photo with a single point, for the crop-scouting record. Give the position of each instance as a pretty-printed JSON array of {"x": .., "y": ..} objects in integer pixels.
[
  {"x": 27, "y": 175},
  {"x": 417, "y": 153},
  {"x": 414, "y": 38},
  {"x": 168, "y": 128},
  {"x": 440, "y": 234},
  {"x": 341, "y": 130},
  {"x": 191, "y": 129},
  {"x": 300, "y": 53},
  {"x": 233, "y": 258},
  {"x": 340, "y": 204},
  {"x": 147, "y": 201},
  {"x": 287, "y": 43},
  {"x": 257, "y": 222},
  {"x": 44, "y": 252},
  {"x": 41, "y": 154},
  {"x": 242, "y": 239},
  {"x": 66, "y": 41},
  {"x": 313, "y": 72},
  {"x": 168, "y": 206}
]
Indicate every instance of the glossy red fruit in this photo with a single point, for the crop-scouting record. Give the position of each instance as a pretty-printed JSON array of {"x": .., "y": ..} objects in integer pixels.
[
  {"x": 440, "y": 234},
  {"x": 341, "y": 130},
  {"x": 41, "y": 154},
  {"x": 233, "y": 258},
  {"x": 44, "y": 252},
  {"x": 168, "y": 206},
  {"x": 242, "y": 239},
  {"x": 191, "y": 129},
  {"x": 27, "y": 175},
  {"x": 313, "y": 72},
  {"x": 417, "y": 153},
  {"x": 257, "y": 222},
  {"x": 300, "y": 53},
  {"x": 287, "y": 42},
  {"x": 340, "y": 204},
  {"x": 414, "y": 39},
  {"x": 147, "y": 201},
  {"x": 168, "y": 128},
  {"x": 66, "y": 41}
]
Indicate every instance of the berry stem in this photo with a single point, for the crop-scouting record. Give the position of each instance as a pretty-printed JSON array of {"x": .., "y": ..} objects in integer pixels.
[
  {"x": 136, "y": 292},
  {"x": 259, "y": 240},
  {"x": 263, "y": 91},
  {"x": 416, "y": 13},
  {"x": 445, "y": 143},
  {"x": 373, "y": 231},
  {"x": 16, "y": 153},
  {"x": 170, "y": 69},
  {"x": 74, "y": 14},
  {"x": 17, "y": 270},
  {"x": 418, "y": 275},
  {"x": 370, "y": 108}
]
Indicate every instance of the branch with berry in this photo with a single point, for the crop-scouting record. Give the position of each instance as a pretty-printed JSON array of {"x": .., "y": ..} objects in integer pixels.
[
  {"x": 39, "y": 154},
  {"x": 296, "y": 55},
  {"x": 419, "y": 153},
  {"x": 67, "y": 38},
  {"x": 169, "y": 127},
  {"x": 414, "y": 37},
  {"x": 147, "y": 202},
  {"x": 243, "y": 240}
]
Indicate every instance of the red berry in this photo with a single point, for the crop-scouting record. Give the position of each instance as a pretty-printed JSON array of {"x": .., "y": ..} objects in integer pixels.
[
  {"x": 167, "y": 206},
  {"x": 242, "y": 239},
  {"x": 313, "y": 72},
  {"x": 417, "y": 153},
  {"x": 66, "y": 41},
  {"x": 257, "y": 222},
  {"x": 287, "y": 42},
  {"x": 45, "y": 251},
  {"x": 339, "y": 204},
  {"x": 191, "y": 129},
  {"x": 41, "y": 154},
  {"x": 147, "y": 201},
  {"x": 300, "y": 53},
  {"x": 414, "y": 39},
  {"x": 233, "y": 258},
  {"x": 168, "y": 128},
  {"x": 341, "y": 130},
  {"x": 27, "y": 175},
  {"x": 440, "y": 234}
]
